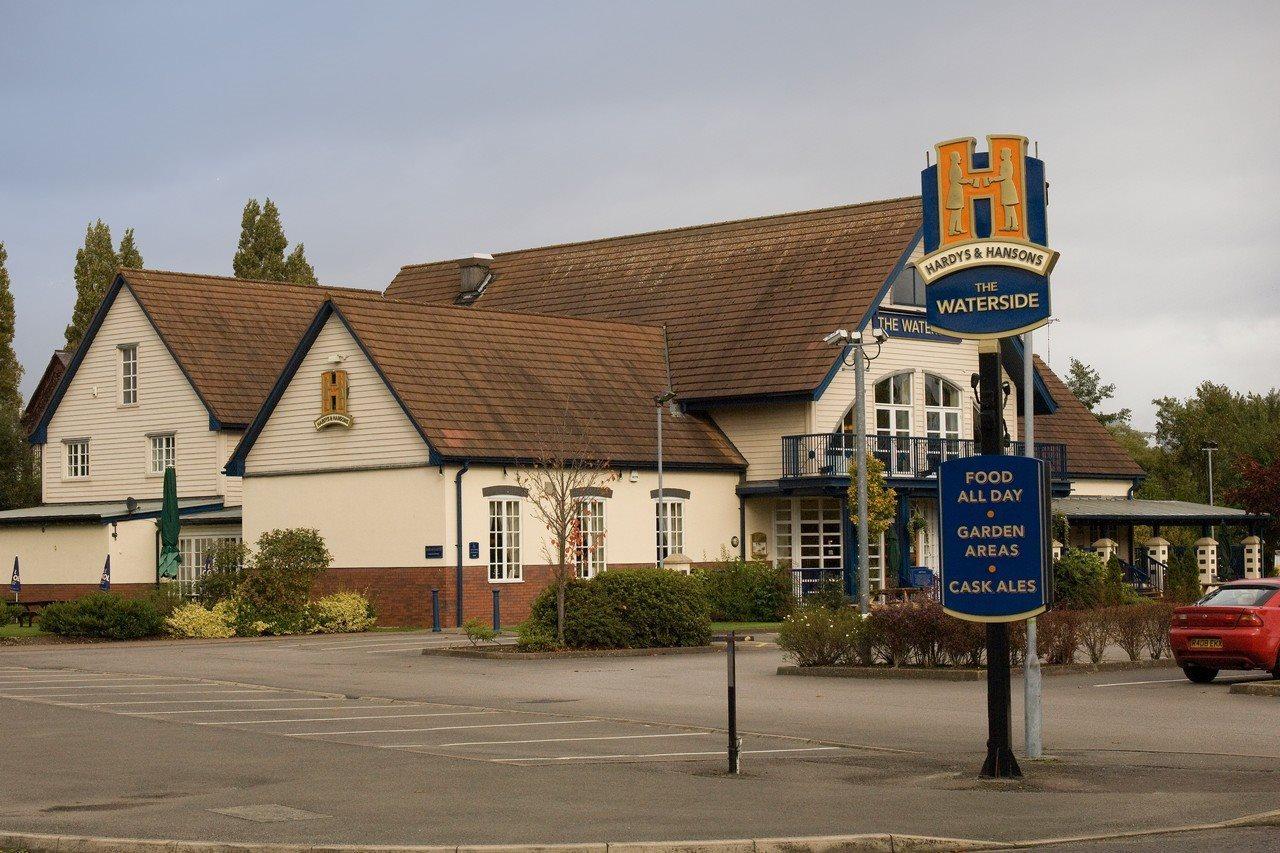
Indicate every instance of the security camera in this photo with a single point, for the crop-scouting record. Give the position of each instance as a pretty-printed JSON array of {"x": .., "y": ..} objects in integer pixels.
[
  {"x": 855, "y": 337},
  {"x": 839, "y": 336},
  {"x": 880, "y": 336}
]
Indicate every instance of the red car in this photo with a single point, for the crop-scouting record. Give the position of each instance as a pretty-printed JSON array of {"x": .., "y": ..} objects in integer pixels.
[{"x": 1235, "y": 626}]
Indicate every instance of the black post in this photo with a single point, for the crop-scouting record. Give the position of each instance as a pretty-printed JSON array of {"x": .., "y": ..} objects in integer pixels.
[
  {"x": 497, "y": 611},
  {"x": 735, "y": 746},
  {"x": 435, "y": 610},
  {"x": 1000, "y": 762}
]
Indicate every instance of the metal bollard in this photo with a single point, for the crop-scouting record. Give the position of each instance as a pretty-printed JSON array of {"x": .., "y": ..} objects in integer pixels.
[
  {"x": 497, "y": 611},
  {"x": 735, "y": 744},
  {"x": 435, "y": 610}
]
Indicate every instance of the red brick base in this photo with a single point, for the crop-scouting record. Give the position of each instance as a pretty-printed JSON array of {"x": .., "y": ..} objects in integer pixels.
[{"x": 68, "y": 591}]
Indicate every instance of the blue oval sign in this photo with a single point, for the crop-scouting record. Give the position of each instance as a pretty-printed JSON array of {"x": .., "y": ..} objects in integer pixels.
[
  {"x": 988, "y": 302},
  {"x": 993, "y": 517}
]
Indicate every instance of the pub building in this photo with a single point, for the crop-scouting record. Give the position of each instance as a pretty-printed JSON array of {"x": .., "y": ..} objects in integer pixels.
[{"x": 396, "y": 423}]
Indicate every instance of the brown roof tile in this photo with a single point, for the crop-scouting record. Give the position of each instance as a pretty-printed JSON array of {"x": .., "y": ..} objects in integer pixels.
[
  {"x": 48, "y": 383},
  {"x": 746, "y": 303},
  {"x": 485, "y": 384},
  {"x": 1091, "y": 449}
]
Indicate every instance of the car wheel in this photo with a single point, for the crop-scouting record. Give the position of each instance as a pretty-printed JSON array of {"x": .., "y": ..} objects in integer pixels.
[{"x": 1199, "y": 674}]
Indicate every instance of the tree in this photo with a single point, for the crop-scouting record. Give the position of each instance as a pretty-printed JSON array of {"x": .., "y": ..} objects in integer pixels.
[
  {"x": 96, "y": 265},
  {"x": 1086, "y": 384},
  {"x": 882, "y": 501},
  {"x": 19, "y": 482},
  {"x": 1259, "y": 490},
  {"x": 260, "y": 254},
  {"x": 559, "y": 486}
]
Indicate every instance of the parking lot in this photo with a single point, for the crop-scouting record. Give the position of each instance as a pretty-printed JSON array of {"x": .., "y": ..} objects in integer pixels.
[{"x": 365, "y": 739}]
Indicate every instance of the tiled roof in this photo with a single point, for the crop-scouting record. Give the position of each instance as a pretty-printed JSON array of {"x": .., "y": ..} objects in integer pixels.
[
  {"x": 40, "y": 398},
  {"x": 1091, "y": 449},
  {"x": 1090, "y": 508},
  {"x": 230, "y": 336},
  {"x": 746, "y": 303},
  {"x": 490, "y": 385}
]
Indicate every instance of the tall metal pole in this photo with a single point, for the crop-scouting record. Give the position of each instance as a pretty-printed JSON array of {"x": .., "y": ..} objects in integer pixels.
[
  {"x": 1033, "y": 711},
  {"x": 735, "y": 743},
  {"x": 860, "y": 416},
  {"x": 662, "y": 498},
  {"x": 1000, "y": 762}
]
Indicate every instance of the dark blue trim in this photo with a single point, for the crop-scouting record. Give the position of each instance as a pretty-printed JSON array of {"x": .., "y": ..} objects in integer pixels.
[
  {"x": 707, "y": 403},
  {"x": 1013, "y": 355},
  {"x": 186, "y": 510},
  {"x": 865, "y": 321},
  {"x": 903, "y": 523},
  {"x": 849, "y": 557},
  {"x": 235, "y": 465}
]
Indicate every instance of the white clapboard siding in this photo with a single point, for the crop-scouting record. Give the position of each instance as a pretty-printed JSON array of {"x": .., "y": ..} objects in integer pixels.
[
  {"x": 382, "y": 435},
  {"x": 232, "y": 487},
  {"x": 757, "y": 432},
  {"x": 119, "y": 450}
]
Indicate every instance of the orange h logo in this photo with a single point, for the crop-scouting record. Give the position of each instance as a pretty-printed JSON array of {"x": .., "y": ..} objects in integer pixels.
[{"x": 960, "y": 184}]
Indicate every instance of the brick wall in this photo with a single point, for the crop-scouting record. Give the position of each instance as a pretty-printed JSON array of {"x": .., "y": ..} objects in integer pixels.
[{"x": 67, "y": 591}]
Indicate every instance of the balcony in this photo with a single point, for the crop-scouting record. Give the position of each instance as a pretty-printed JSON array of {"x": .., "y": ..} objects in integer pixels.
[{"x": 913, "y": 457}]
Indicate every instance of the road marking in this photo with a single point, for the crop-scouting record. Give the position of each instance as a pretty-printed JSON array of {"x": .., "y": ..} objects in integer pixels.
[
  {"x": 662, "y": 754},
  {"x": 1129, "y": 683},
  {"x": 388, "y": 651},
  {"x": 196, "y": 701},
  {"x": 341, "y": 719},
  {"x": 85, "y": 679},
  {"x": 442, "y": 729},
  {"x": 307, "y": 708},
  {"x": 133, "y": 693},
  {"x": 65, "y": 685},
  {"x": 567, "y": 739}
]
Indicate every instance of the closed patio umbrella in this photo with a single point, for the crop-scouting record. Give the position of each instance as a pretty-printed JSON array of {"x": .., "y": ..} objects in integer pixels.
[
  {"x": 104, "y": 583},
  {"x": 169, "y": 558},
  {"x": 15, "y": 582}
]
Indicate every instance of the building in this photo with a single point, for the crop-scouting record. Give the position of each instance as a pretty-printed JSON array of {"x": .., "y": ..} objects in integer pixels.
[{"x": 398, "y": 424}]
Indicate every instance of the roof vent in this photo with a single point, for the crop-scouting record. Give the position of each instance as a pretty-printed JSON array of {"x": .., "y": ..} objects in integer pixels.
[{"x": 474, "y": 277}]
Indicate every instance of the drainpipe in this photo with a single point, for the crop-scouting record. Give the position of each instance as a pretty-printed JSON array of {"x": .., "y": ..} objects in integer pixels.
[
  {"x": 742, "y": 522},
  {"x": 457, "y": 483}
]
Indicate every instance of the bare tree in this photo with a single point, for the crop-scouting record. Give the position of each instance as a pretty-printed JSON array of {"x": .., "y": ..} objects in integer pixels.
[{"x": 559, "y": 486}]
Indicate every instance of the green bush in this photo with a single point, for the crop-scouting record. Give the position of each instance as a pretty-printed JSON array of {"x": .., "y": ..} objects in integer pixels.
[
  {"x": 816, "y": 635},
  {"x": 627, "y": 609},
  {"x": 9, "y": 612},
  {"x": 194, "y": 620},
  {"x": 103, "y": 615},
  {"x": 340, "y": 613},
  {"x": 740, "y": 591},
  {"x": 226, "y": 561},
  {"x": 478, "y": 631},
  {"x": 165, "y": 598},
  {"x": 532, "y": 637},
  {"x": 272, "y": 596},
  {"x": 1079, "y": 579}
]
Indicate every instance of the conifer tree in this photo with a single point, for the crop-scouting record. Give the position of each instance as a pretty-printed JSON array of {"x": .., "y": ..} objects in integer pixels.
[
  {"x": 260, "y": 254},
  {"x": 19, "y": 485},
  {"x": 95, "y": 267},
  {"x": 129, "y": 256}
]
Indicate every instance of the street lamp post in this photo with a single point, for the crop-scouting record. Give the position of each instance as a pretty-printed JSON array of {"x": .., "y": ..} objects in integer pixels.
[
  {"x": 660, "y": 401},
  {"x": 1208, "y": 447},
  {"x": 853, "y": 346}
]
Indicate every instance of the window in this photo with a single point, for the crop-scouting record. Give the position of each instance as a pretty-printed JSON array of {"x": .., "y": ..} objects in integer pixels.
[
  {"x": 907, "y": 288},
  {"x": 504, "y": 540},
  {"x": 129, "y": 375},
  {"x": 1238, "y": 596},
  {"x": 893, "y": 423},
  {"x": 589, "y": 547},
  {"x": 196, "y": 555},
  {"x": 164, "y": 453},
  {"x": 942, "y": 419},
  {"x": 77, "y": 458},
  {"x": 669, "y": 527}
]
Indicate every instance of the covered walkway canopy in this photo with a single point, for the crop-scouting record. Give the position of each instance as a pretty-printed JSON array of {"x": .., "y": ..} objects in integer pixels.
[{"x": 1082, "y": 509}]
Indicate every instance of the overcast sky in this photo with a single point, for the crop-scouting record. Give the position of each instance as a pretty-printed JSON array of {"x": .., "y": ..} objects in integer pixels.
[{"x": 392, "y": 133}]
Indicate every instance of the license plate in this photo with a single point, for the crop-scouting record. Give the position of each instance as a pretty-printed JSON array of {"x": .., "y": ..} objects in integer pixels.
[{"x": 1204, "y": 643}]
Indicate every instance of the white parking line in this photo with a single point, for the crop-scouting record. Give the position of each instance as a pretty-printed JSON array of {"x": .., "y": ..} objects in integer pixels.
[
  {"x": 195, "y": 701},
  {"x": 343, "y": 719},
  {"x": 85, "y": 679},
  {"x": 135, "y": 693},
  {"x": 389, "y": 651},
  {"x": 661, "y": 754},
  {"x": 1130, "y": 683},
  {"x": 307, "y": 708},
  {"x": 66, "y": 685},
  {"x": 568, "y": 739},
  {"x": 440, "y": 729}
]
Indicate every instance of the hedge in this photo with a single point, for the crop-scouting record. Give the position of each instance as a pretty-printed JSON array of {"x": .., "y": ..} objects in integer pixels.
[
  {"x": 103, "y": 615},
  {"x": 741, "y": 591}
]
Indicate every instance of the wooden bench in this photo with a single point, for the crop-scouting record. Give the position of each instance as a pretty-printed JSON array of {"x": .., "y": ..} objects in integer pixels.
[{"x": 31, "y": 609}]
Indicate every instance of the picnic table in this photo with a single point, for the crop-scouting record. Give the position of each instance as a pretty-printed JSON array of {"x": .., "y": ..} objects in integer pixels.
[{"x": 32, "y": 608}]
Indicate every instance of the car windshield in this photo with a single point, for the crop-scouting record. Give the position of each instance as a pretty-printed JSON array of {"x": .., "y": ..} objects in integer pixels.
[{"x": 1238, "y": 596}]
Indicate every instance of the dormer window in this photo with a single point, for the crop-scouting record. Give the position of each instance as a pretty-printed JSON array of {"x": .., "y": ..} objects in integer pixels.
[
  {"x": 907, "y": 289},
  {"x": 129, "y": 375}
]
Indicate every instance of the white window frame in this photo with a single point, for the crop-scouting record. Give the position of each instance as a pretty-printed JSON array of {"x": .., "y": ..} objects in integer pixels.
[
  {"x": 169, "y": 455},
  {"x": 76, "y": 449},
  {"x": 674, "y": 527},
  {"x": 590, "y": 559},
  {"x": 892, "y": 438},
  {"x": 935, "y": 418},
  {"x": 192, "y": 551},
  {"x": 128, "y": 376},
  {"x": 505, "y": 565}
]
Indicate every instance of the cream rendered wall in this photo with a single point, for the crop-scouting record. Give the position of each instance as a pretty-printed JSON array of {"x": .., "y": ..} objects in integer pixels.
[
  {"x": 133, "y": 552},
  {"x": 757, "y": 432},
  {"x": 371, "y": 518},
  {"x": 56, "y": 553},
  {"x": 710, "y": 516},
  {"x": 119, "y": 448},
  {"x": 382, "y": 435},
  {"x": 1102, "y": 488}
]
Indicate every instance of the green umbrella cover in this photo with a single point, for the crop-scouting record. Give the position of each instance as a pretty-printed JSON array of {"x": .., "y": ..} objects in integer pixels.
[{"x": 169, "y": 558}]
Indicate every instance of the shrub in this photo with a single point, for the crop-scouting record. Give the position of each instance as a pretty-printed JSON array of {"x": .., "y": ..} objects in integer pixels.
[
  {"x": 889, "y": 626},
  {"x": 1158, "y": 616},
  {"x": 9, "y": 612},
  {"x": 1078, "y": 579},
  {"x": 830, "y": 594},
  {"x": 964, "y": 643},
  {"x": 165, "y": 598},
  {"x": 278, "y": 579},
  {"x": 532, "y": 637},
  {"x": 1129, "y": 623},
  {"x": 1183, "y": 583},
  {"x": 340, "y": 613},
  {"x": 628, "y": 608},
  {"x": 194, "y": 620},
  {"x": 927, "y": 628},
  {"x": 1115, "y": 589},
  {"x": 226, "y": 560},
  {"x": 478, "y": 631},
  {"x": 1058, "y": 636},
  {"x": 103, "y": 615},
  {"x": 1097, "y": 629},
  {"x": 740, "y": 591},
  {"x": 815, "y": 635}
]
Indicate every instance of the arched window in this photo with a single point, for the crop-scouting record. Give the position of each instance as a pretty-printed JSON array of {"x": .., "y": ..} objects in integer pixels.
[
  {"x": 893, "y": 422},
  {"x": 942, "y": 407}
]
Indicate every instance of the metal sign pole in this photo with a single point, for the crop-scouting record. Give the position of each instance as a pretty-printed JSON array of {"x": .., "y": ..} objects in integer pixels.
[
  {"x": 1033, "y": 712},
  {"x": 1000, "y": 762},
  {"x": 735, "y": 745}
]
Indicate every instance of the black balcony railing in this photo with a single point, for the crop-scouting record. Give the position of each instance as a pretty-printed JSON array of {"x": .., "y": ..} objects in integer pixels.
[{"x": 915, "y": 457}]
